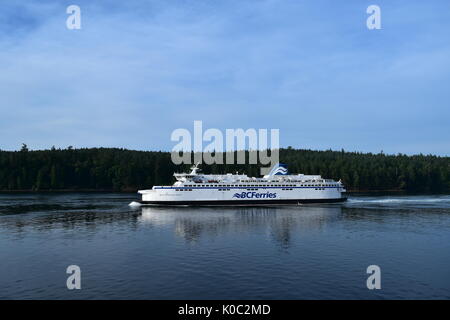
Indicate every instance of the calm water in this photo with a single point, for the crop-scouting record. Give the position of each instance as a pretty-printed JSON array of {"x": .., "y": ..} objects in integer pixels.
[{"x": 304, "y": 252}]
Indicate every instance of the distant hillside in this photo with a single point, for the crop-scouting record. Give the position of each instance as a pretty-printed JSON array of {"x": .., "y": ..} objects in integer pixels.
[{"x": 126, "y": 170}]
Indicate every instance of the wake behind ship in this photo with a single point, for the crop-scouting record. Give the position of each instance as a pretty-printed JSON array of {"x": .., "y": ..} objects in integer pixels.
[{"x": 278, "y": 187}]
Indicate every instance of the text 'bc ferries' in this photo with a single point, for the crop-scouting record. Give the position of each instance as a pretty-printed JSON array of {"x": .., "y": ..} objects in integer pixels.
[{"x": 278, "y": 187}]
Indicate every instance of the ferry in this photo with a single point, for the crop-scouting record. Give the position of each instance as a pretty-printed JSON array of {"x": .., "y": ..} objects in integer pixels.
[{"x": 277, "y": 188}]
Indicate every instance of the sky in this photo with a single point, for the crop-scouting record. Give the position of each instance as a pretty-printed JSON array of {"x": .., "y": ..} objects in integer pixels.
[{"x": 138, "y": 70}]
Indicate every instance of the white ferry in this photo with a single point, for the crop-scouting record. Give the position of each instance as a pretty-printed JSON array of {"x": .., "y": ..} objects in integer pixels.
[{"x": 278, "y": 187}]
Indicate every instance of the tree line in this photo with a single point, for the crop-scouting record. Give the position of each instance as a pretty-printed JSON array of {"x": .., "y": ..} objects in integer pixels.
[{"x": 112, "y": 169}]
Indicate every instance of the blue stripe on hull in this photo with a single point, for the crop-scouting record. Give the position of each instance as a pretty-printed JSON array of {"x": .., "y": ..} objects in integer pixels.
[{"x": 243, "y": 188}]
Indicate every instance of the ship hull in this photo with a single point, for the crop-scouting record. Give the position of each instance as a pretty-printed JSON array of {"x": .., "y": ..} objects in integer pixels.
[{"x": 248, "y": 202}]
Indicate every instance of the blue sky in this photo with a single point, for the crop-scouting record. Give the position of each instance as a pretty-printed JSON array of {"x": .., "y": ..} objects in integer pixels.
[{"x": 137, "y": 70}]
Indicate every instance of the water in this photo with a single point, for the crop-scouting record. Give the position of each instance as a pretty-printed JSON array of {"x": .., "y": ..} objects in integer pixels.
[{"x": 303, "y": 252}]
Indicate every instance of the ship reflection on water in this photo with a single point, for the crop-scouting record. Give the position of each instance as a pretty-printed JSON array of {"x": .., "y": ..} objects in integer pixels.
[{"x": 279, "y": 223}]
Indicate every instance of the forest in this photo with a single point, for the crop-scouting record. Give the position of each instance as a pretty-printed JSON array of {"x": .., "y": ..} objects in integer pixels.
[{"x": 112, "y": 169}]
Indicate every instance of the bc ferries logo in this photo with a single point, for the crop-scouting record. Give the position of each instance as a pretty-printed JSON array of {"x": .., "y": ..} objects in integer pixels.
[
  {"x": 257, "y": 195},
  {"x": 279, "y": 169}
]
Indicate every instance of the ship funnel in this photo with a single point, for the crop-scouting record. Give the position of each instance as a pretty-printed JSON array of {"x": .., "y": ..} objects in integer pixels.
[{"x": 279, "y": 169}]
